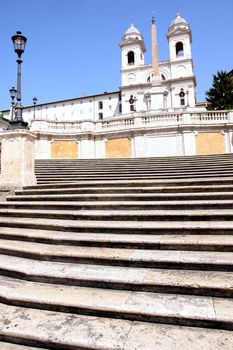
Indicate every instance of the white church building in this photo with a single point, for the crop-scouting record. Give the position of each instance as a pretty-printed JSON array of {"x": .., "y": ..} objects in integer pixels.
[{"x": 154, "y": 113}]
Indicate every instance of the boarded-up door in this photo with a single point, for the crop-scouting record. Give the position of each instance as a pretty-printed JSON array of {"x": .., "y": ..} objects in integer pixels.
[
  {"x": 210, "y": 143},
  {"x": 118, "y": 148},
  {"x": 64, "y": 149}
]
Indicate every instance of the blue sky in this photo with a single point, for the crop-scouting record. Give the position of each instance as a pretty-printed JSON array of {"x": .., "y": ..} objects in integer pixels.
[{"x": 73, "y": 49}]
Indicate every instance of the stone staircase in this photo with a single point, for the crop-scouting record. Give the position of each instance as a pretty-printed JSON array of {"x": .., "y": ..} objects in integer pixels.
[{"x": 130, "y": 254}]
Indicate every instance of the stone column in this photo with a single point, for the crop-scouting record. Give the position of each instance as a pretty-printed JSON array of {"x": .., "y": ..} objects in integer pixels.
[
  {"x": 17, "y": 158},
  {"x": 156, "y": 92}
]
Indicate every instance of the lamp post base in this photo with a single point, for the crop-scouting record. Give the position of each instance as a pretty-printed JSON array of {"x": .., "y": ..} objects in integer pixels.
[
  {"x": 17, "y": 124},
  {"x": 17, "y": 158}
]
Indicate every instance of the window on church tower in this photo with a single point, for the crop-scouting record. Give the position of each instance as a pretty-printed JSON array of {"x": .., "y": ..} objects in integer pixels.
[
  {"x": 132, "y": 109},
  {"x": 182, "y": 97},
  {"x": 179, "y": 49},
  {"x": 130, "y": 57}
]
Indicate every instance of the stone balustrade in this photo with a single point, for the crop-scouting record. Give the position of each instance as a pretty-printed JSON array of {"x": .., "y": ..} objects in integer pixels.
[{"x": 133, "y": 121}]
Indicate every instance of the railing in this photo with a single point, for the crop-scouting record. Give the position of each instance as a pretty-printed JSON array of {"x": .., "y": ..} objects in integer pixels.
[
  {"x": 211, "y": 117},
  {"x": 135, "y": 121},
  {"x": 118, "y": 123},
  {"x": 162, "y": 119},
  {"x": 56, "y": 127}
]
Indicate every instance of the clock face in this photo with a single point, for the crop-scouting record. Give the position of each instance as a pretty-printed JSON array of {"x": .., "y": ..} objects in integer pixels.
[
  {"x": 131, "y": 100},
  {"x": 182, "y": 94},
  {"x": 131, "y": 77}
]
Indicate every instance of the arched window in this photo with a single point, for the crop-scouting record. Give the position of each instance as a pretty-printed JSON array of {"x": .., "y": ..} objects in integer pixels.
[
  {"x": 179, "y": 49},
  {"x": 182, "y": 97},
  {"x": 100, "y": 104},
  {"x": 130, "y": 57},
  {"x": 100, "y": 116},
  {"x": 163, "y": 77},
  {"x": 148, "y": 79}
]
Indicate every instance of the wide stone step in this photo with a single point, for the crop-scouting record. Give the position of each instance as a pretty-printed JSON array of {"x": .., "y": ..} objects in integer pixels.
[
  {"x": 136, "y": 183},
  {"x": 185, "y": 196},
  {"x": 127, "y": 170},
  {"x": 118, "y": 205},
  {"x": 103, "y": 190},
  {"x": 121, "y": 227},
  {"x": 169, "y": 281},
  {"x": 163, "y": 242},
  {"x": 202, "y": 260},
  {"x": 185, "y": 310},
  {"x": 12, "y": 346},
  {"x": 166, "y": 159},
  {"x": 123, "y": 215},
  {"x": 63, "y": 177},
  {"x": 79, "y": 332}
]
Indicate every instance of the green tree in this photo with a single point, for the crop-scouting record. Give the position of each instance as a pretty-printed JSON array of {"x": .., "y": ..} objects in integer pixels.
[{"x": 220, "y": 95}]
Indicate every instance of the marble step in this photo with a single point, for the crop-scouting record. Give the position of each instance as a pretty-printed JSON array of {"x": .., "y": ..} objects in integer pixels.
[
  {"x": 183, "y": 196},
  {"x": 122, "y": 227},
  {"x": 103, "y": 190},
  {"x": 125, "y": 170},
  {"x": 122, "y": 215},
  {"x": 135, "y": 183},
  {"x": 202, "y": 260},
  {"x": 169, "y": 281},
  {"x": 117, "y": 205},
  {"x": 190, "y": 242},
  {"x": 186, "y": 310},
  {"x": 57, "y": 175},
  {"x": 173, "y": 164},
  {"x": 13, "y": 346},
  {"x": 79, "y": 332},
  {"x": 165, "y": 159}
]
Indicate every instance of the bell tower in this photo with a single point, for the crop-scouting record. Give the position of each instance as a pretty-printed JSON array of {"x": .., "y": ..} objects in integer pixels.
[
  {"x": 132, "y": 60},
  {"x": 132, "y": 49},
  {"x": 180, "y": 39}
]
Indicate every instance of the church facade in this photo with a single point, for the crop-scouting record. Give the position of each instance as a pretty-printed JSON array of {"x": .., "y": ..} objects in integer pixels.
[{"x": 153, "y": 114}]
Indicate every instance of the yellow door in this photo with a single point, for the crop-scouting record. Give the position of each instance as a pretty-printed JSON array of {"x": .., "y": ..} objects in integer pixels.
[
  {"x": 118, "y": 148},
  {"x": 210, "y": 143},
  {"x": 64, "y": 149}
]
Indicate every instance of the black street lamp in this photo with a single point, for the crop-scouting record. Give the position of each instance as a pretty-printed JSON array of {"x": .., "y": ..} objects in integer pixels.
[
  {"x": 19, "y": 42},
  {"x": 12, "y": 92},
  {"x": 34, "y": 100}
]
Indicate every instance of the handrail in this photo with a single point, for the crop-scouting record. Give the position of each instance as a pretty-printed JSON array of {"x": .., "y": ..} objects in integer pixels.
[{"x": 135, "y": 120}]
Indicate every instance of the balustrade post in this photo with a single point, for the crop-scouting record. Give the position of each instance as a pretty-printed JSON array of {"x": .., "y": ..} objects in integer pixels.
[{"x": 230, "y": 116}]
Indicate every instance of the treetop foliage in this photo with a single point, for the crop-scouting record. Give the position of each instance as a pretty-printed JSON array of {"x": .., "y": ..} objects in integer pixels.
[{"x": 220, "y": 95}]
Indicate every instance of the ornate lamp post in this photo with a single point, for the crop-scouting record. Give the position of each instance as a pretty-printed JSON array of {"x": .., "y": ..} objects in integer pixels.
[
  {"x": 19, "y": 42},
  {"x": 34, "y": 100},
  {"x": 12, "y": 92}
]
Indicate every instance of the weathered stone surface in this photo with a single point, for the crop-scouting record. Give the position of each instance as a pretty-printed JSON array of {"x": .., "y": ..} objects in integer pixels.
[
  {"x": 87, "y": 264},
  {"x": 165, "y": 307},
  {"x": 17, "y": 158},
  {"x": 191, "y": 242},
  {"x": 167, "y": 337},
  {"x": 77, "y": 332},
  {"x": 8, "y": 346},
  {"x": 48, "y": 327}
]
